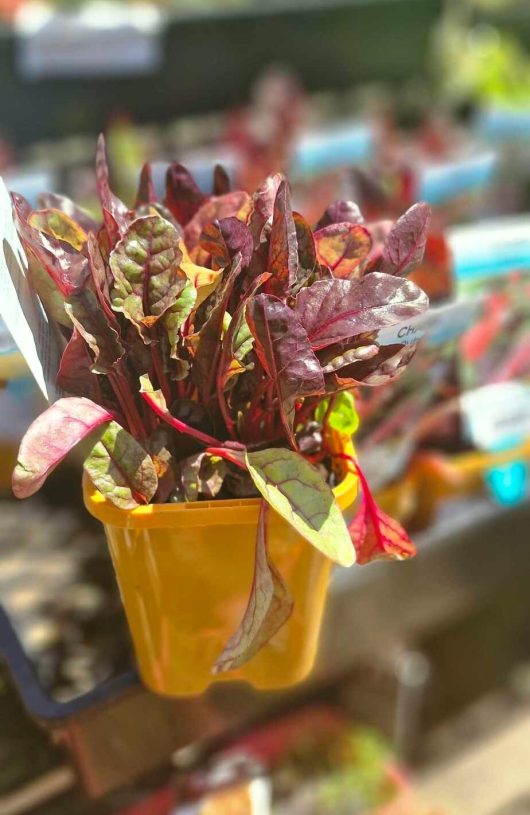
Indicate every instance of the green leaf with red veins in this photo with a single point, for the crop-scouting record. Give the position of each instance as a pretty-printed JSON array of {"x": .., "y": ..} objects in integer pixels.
[
  {"x": 333, "y": 311},
  {"x": 85, "y": 312},
  {"x": 405, "y": 244},
  {"x": 282, "y": 262},
  {"x": 176, "y": 316},
  {"x": 56, "y": 224},
  {"x": 343, "y": 247},
  {"x": 270, "y": 605},
  {"x": 375, "y": 535},
  {"x": 121, "y": 469},
  {"x": 51, "y": 437},
  {"x": 296, "y": 491},
  {"x": 145, "y": 265},
  {"x": 50, "y": 200},
  {"x": 284, "y": 350}
]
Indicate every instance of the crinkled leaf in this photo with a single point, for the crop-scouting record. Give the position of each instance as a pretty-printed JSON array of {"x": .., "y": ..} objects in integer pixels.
[
  {"x": 58, "y": 225},
  {"x": 221, "y": 180},
  {"x": 341, "y": 212},
  {"x": 67, "y": 267},
  {"x": 405, "y": 244},
  {"x": 202, "y": 474},
  {"x": 342, "y": 416},
  {"x": 270, "y": 605},
  {"x": 84, "y": 311},
  {"x": 374, "y": 534},
  {"x": 75, "y": 374},
  {"x": 296, "y": 490},
  {"x": 183, "y": 196},
  {"x": 146, "y": 189},
  {"x": 100, "y": 281},
  {"x": 387, "y": 364},
  {"x": 146, "y": 269},
  {"x": 222, "y": 240},
  {"x": 51, "y": 437},
  {"x": 49, "y": 200},
  {"x": 332, "y": 311},
  {"x": 121, "y": 469},
  {"x": 236, "y": 203},
  {"x": 283, "y": 247},
  {"x": 343, "y": 247},
  {"x": 284, "y": 350},
  {"x": 263, "y": 205},
  {"x": 177, "y": 314}
]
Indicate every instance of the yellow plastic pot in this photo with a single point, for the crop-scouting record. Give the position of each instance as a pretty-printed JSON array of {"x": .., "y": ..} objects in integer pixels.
[{"x": 185, "y": 573}]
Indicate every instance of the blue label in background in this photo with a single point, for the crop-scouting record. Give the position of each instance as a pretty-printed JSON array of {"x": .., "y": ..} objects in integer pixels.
[
  {"x": 490, "y": 248},
  {"x": 440, "y": 183},
  {"x": 345, "y": 144},
  {"x": 504, "y": 125}
]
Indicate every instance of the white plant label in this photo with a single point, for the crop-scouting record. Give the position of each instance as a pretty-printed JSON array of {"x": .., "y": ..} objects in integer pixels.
[
  {"x": 20, "y": 308},
  {"x": 497, "y": 416}
]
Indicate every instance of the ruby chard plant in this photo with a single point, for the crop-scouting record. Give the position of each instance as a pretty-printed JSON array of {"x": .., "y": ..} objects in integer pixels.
[{"x": 211, "y": 343}]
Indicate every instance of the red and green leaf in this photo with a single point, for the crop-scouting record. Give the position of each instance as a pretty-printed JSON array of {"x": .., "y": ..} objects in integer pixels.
[
  {"x": 51, "y": 437},
  {"x": 269, "y": 607},
  {"x": 146, "y": 268},
  {"x": 375, "y": 535},
  {"x": 342, "y": 248}
]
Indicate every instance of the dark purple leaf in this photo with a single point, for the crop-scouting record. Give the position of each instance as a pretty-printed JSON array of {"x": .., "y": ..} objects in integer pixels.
[
  {"x": 405, "y": 244},
  {"x": 283, "y": 247},
  {"x": 221, "y": 180},
  {"x": 146, "y": 189},
  {"x": 332, "y": 311},
  {"x": 283, "y": 348},
  {"x": 341, "y": 212},
  {"x": 307, "y": 256},
  {"x": 183, "y": 196},
  {"x": 224, "y": 239}
]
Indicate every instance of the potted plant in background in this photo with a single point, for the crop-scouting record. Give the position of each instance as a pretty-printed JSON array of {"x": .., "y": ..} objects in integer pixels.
[{"x": 210, "y": 346}]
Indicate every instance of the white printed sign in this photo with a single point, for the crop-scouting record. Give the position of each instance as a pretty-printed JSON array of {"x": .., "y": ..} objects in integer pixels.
[{"x": 20, "y": 308}]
